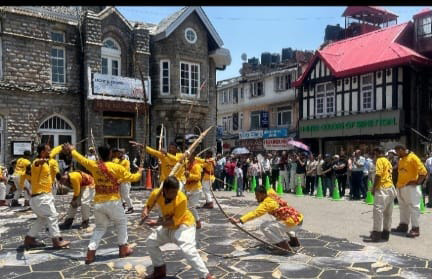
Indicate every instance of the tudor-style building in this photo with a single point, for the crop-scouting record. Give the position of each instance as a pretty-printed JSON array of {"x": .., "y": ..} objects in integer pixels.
[{"x": 367, "y": 90}]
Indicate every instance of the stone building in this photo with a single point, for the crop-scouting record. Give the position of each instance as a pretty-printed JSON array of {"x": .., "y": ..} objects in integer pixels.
[{"x": 69, "y": 71}]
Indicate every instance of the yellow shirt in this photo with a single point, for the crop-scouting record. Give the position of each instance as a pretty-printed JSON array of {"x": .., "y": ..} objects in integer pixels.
[
  {"x": 80, "y": 180},
  {"x": 409, "y": 169},
  {"x": 193, "y": 182},
  {"x": 268, "y": 205},
  {"x": 21, "y": 166},
  {"x": 208, "y": 167},
  {"x": 176, "y": 208},
  {"x": 41, "y": 180},
  {"x": 384, "y": 169},
  {"x": 106, "y": 189},
  {"x": 125, "y": 163},
  {"x": 168, "y": 161}
]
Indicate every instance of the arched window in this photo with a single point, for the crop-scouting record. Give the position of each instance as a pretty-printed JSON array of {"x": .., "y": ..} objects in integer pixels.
[
  {"x": 164, "y": 136},
  {"x": 57, "y": 130},
  {"x": 111, "y": 57},
  {"x": 2, "y": 129}
]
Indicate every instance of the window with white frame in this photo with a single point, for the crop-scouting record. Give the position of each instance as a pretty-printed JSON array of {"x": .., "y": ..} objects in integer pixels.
[
  {"x": 220, "y": 97},
  {"x": 282, "y": 82},
  {"x": 225, "y": 97},
  {"x": 164, "y": 136},
  {"x": 230, "y": 96},
  {"x": 284, "y": 116},
  {"x": 425, "y": 27},
  {"x": 366, "y": 91},
  {"x": 189, "y": 78},
  {"x": 325, "y": 98},
  {"x": 257, "y": 89},
  {"x": 190, "y": 35},
  {"x": 58, "y": 64},
  {"x": 235, "y": 95},
  {"x": 241, "y": 93},
  {"x": 241, "y": 121},
  {"x": 165, "y": 77},
  {"x": 255, "y": 120},
  {"x": 111, "y": 57}
]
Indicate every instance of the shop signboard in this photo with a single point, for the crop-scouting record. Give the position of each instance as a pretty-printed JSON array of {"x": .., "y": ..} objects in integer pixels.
[
  {"x": 275, "y": 133},
  {"x": 276, "y": 144},
  {"x": 372, "y": 123},
  {"x": 254, "y": 145},
  {"x": 251, "y": 134}
]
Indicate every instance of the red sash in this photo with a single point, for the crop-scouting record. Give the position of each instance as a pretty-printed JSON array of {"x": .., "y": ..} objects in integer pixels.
[
  {"x": 105, "y": 189},
  {"x": 284, "y": 212},
  {"x": 86, "y": 179}
]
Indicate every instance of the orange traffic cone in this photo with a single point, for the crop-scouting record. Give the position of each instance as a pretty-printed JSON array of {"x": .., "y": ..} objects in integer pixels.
[{"x": 148, "y": 180}]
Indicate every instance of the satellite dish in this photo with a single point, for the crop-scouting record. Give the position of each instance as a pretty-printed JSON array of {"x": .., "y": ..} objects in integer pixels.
[{"x": 244, "y": 57}]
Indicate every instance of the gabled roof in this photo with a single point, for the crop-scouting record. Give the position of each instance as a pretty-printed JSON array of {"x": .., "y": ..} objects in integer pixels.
[
  {"x": 367, "y": 52},
  {"x": 65, "y": 14},
  {"x": 113, "y": 10},
  {"x": 169, "y": 24}
]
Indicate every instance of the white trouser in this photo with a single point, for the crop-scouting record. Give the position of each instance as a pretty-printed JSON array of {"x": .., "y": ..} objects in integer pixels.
[
  {"x": 409, "y": 204},
  {"x": 104, "y": 213},
  {"x": 182, "y": 183},
  {"x": 18, "y": 191},
  {"x": 125, "y": 193},
  {"x": 85, "y": 199},
  {"x": 206, "y": 184},
  {"x": 292, "y": 182},
  {"x": 184, "y": 237},
  {"x": 193, "y": 202},
  {"x": 43, "y": 206},
  {"x": 2, "y": 191},
  {"x": 383, "y": 209},
  {"x": 285, "y": 181},
  {"x": 276, "y": 231}
]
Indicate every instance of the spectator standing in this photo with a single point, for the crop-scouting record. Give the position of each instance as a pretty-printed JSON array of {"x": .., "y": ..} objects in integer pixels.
[
  {"x": 411, "y": 174},
  {"x": 301, "y": 170},
  {"x": 357, "y": 175},
  {"x": 284, "y": 170},
  {"x": 428, "y": 165},
  {"x": 275, "y": 170},
  {"x": 245, "y": 166},
  {"x": 340, "y": 169},
  {"x": 229, "y": 170},
  {"x": 239, "y": 176},
  {"x": 254, "y": 170},
  {"x": 266, "y": 167},
  {"x": 293, "y": 168},
  {"x": 320, "y": 163},
  {"x": 327, "y": 172},
  {"x": 220, "y": 172},
  {"x": 311, "y": 174}
]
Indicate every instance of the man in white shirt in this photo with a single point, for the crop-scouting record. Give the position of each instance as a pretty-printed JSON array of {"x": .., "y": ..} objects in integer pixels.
[
  {"x": 266, "y": 167},
  {"x": 428, "y": 166},
  {"x": 357, "y": 174}
]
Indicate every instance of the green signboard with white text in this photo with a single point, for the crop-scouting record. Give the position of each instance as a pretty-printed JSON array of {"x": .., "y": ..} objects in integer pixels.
[{"x": 372, "y": 123}]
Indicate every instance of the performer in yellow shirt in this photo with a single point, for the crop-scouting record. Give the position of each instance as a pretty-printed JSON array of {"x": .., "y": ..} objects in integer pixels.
[
  {"x": 208, "y": 179},
  {"x": 168, "y": 161},
  {"x": 120, "y": 158},
  {"x": 42, "y": 201},
  {"x": 176, "y": 225},
  {"x": 108, "y": 206},
  {"x": 193, "y": 186},
  {"x": 411, "y": 174},
  {"x": 84, "y": 191},
  {"x": 54, "y": 166},
  {"x": 384, "y": 194},
  {"x": 19, "y": 180},
  {"x": 287, "y": 219}
]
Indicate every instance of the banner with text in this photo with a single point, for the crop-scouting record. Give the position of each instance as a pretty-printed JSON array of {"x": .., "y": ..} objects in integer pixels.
[{"x": 277, "y": 144}]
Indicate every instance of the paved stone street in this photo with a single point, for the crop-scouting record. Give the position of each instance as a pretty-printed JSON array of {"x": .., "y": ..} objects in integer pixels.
[{"x": 227, "y": 252}]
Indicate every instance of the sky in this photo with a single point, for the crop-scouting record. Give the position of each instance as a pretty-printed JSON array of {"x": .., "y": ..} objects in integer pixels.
[{"x": 253, "y": 30}]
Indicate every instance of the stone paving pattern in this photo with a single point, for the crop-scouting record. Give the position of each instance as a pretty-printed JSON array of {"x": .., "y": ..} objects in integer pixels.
[{"x": 228, "y": 253}]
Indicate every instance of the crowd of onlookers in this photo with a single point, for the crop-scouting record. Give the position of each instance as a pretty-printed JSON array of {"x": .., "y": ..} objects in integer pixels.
[{"x": 354, "y": 172}]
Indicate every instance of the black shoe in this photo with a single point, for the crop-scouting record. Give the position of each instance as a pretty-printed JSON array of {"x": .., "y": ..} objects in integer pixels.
[
  {"x": 130, "y": 210},
  {"x": 67, "y": 225},
  {"x": 14, "y": 203},
  {"x": 429, "y": 205}
]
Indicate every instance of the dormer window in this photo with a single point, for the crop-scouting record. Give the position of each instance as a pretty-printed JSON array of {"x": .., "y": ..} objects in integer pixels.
[{"x": 424, "y": 27}]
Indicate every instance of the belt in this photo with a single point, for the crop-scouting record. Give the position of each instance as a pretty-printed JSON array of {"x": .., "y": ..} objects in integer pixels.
[{"x": 35, "y": 195}]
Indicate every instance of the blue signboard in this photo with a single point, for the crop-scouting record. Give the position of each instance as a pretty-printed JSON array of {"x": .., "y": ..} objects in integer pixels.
[
  {"x": 275, "y": 133},
  {"x": 264, "y": 119}
]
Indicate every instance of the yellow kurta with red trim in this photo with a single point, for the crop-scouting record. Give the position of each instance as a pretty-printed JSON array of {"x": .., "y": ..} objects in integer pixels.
[
  {"x": 20, "y": 171},
  {"x": 168, "y": 161},
  {"x": 106, "y": 189},
  {"x": 79, "y": 180},
  {"x": 193, "y": 182},
  {"x": 409, "y": 169},
  {"x": 209, "y": 169},
  {"x": 269, "y": 205},
  {"x": 43, "y": 176},
  {"x": 177, "y": 208}
]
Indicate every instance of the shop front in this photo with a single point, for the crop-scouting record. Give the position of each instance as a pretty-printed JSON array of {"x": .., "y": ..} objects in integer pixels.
[{"x": 345, "y": 134}]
